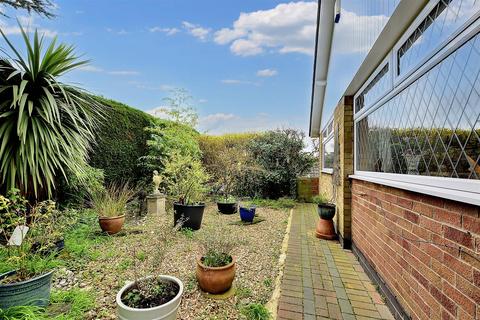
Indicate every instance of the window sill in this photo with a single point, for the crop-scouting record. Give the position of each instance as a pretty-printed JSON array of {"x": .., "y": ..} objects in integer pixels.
[
  {"x": 327, "y": 171},
  {"x": 456, "y": 195}
]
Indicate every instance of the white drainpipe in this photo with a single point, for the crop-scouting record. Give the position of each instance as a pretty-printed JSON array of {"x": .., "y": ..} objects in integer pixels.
[{"x": 329, "y": 14}]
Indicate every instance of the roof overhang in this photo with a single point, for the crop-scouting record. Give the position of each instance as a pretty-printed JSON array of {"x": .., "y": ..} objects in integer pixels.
[
  {"x": 326, "y": 18},
  {"x": 405, "y": 12}
]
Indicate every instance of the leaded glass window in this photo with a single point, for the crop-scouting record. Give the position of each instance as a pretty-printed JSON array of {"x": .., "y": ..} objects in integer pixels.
[
  {"x": 432, "y": 127},
  {"x": 445, "y": 18},
  {"x": 375, "y": 89}
]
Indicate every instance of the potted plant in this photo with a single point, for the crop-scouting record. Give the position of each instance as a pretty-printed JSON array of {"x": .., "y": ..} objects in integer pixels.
[
  {"x": 247, "y": 214},
  {"x": 227, "y": 205},
  {"x": 25, "y": 277},
  {"x": 185, "y": 180},
  {"x": 110, "y": 205},
  {"x": 152, "y": 297},
  {"x": 227, "y": 169},
  {"x": 216, "y": 266},
  {"x": 326, "y": 211}
]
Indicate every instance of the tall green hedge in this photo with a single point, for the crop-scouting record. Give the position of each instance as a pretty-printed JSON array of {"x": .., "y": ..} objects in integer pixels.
[{"x": 121, "y": 141}]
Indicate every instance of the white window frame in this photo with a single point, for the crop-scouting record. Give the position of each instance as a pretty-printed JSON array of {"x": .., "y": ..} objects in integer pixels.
[
  {"x": 387, "y": 60},
  {"x": 397, "y": 79},
  {"x": 464, "y": 190},
  {"x": 324, "y": 141}
]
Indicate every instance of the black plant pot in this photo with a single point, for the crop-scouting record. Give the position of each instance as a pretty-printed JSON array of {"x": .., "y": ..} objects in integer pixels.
[
  {"x": 58, "y": 246},
  {"x": 190, "y": 215},
  {"x": 326, "y": 211},
  {"x": 227, "y": 208}
]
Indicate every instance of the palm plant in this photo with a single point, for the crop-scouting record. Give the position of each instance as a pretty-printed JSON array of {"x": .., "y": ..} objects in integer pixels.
[{"x": 46, "y": 126}]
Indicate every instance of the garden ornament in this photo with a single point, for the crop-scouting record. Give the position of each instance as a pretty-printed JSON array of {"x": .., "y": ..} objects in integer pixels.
[{"x": 157, "y": 179}]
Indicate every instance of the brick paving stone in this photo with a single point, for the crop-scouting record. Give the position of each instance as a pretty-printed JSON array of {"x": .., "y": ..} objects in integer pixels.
[{"x": 323, "y": 281}]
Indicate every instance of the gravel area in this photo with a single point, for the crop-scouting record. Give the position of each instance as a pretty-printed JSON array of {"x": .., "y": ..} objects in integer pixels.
[{"x": 257, "y": 256}]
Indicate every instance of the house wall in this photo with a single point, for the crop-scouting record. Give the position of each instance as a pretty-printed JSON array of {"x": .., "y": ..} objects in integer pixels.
[
  {"x": 343, "y": 122},
  {"x": 426, "y": 249}
]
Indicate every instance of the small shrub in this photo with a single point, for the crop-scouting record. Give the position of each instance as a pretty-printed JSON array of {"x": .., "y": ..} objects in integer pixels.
[
  {"x": 217, "y": 248},
  {"x": 256, "y": 311},
  {"x": 320, "y": 199},
  {"x": 113, "y": 201}
]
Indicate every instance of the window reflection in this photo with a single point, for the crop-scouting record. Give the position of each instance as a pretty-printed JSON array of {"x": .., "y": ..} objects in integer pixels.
[
  {"x": 432, "y": 127},
  {"x": 328, "y": 154},
  {"x": 446, "y": 17}
]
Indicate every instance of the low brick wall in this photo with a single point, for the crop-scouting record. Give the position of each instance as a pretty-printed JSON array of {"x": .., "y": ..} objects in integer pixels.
[{"x": 425, "y": 248}]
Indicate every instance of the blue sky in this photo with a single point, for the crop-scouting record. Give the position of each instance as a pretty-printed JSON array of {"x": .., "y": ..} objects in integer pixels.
[{"x": 248, "y": 64}]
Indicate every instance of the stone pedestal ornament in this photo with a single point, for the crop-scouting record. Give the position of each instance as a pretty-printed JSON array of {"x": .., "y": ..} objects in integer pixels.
[{"x": 156, "y": 200}]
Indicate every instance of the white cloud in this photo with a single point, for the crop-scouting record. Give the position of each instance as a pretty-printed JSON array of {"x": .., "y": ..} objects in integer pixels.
[
  {"x": 167, "y": 31},
  {"x": 291, "y": 27},
  {"x": 124, "y": 73},
  {"x": 237, "y": 81},
  {"x": 220, "y": 123},
  {"x": 29, "y": 25},
  {"x": 211, "y": 119},
  {"x": 267, "y": 73},
  {"x": 90, "y": 68},
  {"x": 196, "y": 30},
  {"x": 121, "y": 32}
]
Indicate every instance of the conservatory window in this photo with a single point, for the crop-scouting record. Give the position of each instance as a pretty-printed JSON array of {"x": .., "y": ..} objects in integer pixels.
[
  {"x": 432, "y": 126},
  {"x": 446, "y": 17},
  {"x": 377, "y": 87}
]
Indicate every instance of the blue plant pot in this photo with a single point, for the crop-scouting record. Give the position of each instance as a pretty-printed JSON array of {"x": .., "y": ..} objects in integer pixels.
[
  {"x": 247, "y": 214},
  {"x": 35, "y": 291}
]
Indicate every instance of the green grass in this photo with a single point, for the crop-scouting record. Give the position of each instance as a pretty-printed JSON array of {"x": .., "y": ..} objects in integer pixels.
[
  {"x": 280, "y": 203},
  {"x": 22, "y": 313},
  {"x": 64, "y": 305},
  {"x": 255, "y": 311},
  {"x": 70, "y": 305},
  {"x": 82, "y": 239},
  {"x": 187, "y": 233}
]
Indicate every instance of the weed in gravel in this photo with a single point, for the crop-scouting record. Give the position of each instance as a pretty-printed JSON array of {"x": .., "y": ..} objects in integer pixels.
[
  {"x": 267, "y": 282},
  {"x": 125, "y": 264},
  {"x": 187, "y": 232},
  {"x": 191, "y": 283},
  {"x": 243, "y": 292},
  {"x": 141, "y": 256},
  {"x": 255, "y": 311}
]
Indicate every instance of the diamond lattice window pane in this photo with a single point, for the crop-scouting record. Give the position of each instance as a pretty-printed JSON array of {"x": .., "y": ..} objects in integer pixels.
[{"x": 432, "y": 127}]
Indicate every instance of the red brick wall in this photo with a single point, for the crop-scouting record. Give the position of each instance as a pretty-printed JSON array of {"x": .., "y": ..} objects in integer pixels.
[{"x": 422, "y": 247}]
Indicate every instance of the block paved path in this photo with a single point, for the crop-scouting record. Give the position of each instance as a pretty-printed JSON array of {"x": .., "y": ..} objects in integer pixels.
[{"x": 323, "y": 281}]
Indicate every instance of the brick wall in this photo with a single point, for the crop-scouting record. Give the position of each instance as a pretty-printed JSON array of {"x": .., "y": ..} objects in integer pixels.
[
  {"x": 422, "y": 247},
  {"x": 343, "y": 122}
]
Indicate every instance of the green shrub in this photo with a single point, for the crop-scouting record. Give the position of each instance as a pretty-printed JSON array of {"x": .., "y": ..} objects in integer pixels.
[
  {"x": 165, "y": 138},
  {"x": 22, "y": 313},
  {"x": 281, "y": 156},
  {"x": 320, "y": 199},
  {"x": 256, "y": 311},
  {"x": 121, "y": 141}
]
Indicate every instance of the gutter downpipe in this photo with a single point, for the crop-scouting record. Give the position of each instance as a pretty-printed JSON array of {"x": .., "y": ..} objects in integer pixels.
[{"x": 329, "y": 13}]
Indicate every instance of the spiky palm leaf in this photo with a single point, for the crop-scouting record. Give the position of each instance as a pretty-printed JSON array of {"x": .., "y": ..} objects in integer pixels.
[{"x": 45, "y": 126}]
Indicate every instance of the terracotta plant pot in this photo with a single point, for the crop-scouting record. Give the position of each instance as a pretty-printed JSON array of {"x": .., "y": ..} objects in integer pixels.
[
  {"x": 325, "y": 229},
  {"x": 111, "y": 225},
  {"x": 167, "y": 311},
  {"x": 215, "y": 279}
]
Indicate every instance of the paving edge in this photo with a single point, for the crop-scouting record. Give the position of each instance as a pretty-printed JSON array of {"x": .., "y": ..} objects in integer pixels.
[{"x": 272, "y": 304}]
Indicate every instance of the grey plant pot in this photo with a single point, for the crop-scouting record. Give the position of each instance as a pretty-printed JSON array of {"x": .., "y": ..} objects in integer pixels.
[{"x": 35, "y": 291}]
